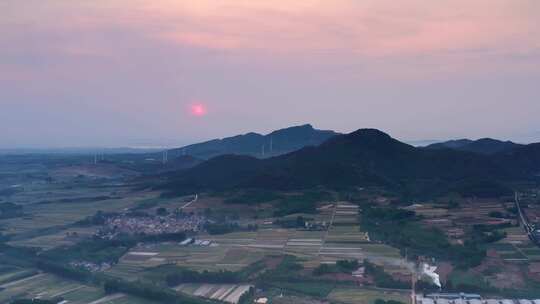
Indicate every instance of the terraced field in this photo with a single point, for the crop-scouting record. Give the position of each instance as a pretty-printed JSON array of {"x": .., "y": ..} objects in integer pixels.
[
  {"x": 66, "y": 237},
  {"x": 56, "y": 214},
  {"x": 10, "y": 275},
  {"x": 222, "y": 292},
  {"x": 233, "y": 251},
  {"x": 508, "y": 251},
  {"x": 45, "y": 286}
]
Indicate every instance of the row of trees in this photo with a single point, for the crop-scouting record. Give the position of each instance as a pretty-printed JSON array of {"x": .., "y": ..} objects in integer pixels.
[
  {"x": 224, "y": 228},
  {"x": 383, "y": 279},
  {"x": 99, "y": 250},
  {"x": 288, "y": 276},
  {"x": 190, "y": 276},
  {"x": 150, "y": 292},
  {"x": 341, "y": 266}
]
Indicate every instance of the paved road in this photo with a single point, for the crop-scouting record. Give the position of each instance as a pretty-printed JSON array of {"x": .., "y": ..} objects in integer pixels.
[
  {"x": 529, "y": 229},
  {"x": 195, "y": 198}
]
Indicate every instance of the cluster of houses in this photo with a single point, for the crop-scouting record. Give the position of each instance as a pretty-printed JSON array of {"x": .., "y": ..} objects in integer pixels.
[
  {"x": 196, "y": 242},
  {"x": 151, "y": 225},
  {"x": 465, "y": 298},
  {"x": 92, "y": 267}
]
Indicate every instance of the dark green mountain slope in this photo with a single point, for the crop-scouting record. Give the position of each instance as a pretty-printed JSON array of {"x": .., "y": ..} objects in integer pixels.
[
  {"x": 522, "y": 162},
  {"x": 276, "y": 143},
  {"x": 364, "y": 157}
]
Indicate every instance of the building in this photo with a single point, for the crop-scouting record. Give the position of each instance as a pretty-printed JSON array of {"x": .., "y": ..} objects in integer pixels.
[{"x": 454, "y": 296}]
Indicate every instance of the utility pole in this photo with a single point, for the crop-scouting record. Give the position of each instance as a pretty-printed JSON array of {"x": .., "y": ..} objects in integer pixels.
[
  {"x": 413, "y": 277},
  {"x": 413, "y": 291}
]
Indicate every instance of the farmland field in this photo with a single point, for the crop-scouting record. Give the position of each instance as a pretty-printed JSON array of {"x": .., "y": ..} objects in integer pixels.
[
  {"x": 46, "y": 286},
  {"x": 223, "y": 292},
  {"x": 366, "y": 296},
  {"x": 301, "y": 245}
]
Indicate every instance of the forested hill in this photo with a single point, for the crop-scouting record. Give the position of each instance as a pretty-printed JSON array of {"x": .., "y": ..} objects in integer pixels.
[
  {"x": 364, "y": 157},
  {"x": 487, "y": 146},
  {"x": 253, "y": 144}
]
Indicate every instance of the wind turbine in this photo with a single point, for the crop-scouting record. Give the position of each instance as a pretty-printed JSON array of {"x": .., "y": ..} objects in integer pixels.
[{"x": 165, "y": 156}]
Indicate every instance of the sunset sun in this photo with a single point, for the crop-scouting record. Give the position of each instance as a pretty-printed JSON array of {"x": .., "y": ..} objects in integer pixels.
[{"x": 198, "y": 109}]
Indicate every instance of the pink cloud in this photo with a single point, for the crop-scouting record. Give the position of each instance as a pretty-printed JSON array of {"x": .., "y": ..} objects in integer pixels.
[
  {"x": 378, "y": 34},
  {"x": 367, "y": 28}
]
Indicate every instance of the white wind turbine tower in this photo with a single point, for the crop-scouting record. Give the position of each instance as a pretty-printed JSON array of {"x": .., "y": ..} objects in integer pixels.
[{"x": 165, "y": 156}]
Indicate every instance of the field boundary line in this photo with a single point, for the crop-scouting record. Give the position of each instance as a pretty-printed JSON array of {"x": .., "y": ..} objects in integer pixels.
[
  {"x": 6, "y": 285},
  {"x": 328, "y": 229}
]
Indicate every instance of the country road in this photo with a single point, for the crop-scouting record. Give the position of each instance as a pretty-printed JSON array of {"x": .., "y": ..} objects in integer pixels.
[
  {"x": 195, "y": 198},
  {"x": 529, "y": 229}
]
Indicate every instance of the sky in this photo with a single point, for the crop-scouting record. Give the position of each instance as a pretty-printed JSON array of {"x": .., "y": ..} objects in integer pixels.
[{"x": 114, "y": 73}]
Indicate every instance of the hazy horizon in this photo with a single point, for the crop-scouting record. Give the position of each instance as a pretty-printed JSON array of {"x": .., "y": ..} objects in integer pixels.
[
  {"x": 129, "y": 73},
  {"x": 169, "y": 144}
]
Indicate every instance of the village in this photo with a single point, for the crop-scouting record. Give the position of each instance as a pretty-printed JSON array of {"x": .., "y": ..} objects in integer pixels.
[{"x": 151, "y": 225}]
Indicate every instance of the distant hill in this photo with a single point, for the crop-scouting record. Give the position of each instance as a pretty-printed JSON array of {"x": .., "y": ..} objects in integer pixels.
[
  {"x": 253, "y": 144},
  {"x": 78, "y": 151},
  {"x": 362, "y": 158},
  {"x": 483, "y": 146},
  {"x": 153, "y": 163},
  {"x": 450, "y": 144}
]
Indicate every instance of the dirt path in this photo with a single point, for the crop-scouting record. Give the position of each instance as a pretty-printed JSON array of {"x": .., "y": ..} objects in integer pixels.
[
  {"x": 329, "y": 227},
  {"x": 108, "y": 298},
  {"x": 67, "y": 291}
]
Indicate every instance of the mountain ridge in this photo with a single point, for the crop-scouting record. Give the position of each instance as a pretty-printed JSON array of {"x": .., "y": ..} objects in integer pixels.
[
  {"x": 276, "y": 143},
  {"x": 364, "y": 157},
  {"x": 488, "y": 146}
]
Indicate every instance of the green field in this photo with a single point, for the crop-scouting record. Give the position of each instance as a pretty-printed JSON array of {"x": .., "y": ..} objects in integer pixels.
[
  {"x": 509, "y": 251},
  {"x": 44, "y": 286},
  {"x": 466, "y": 278},
  {"x": 51, "y": 210},
  {"x": 229, "y": 293},
  {"x": 366, "y": 296},
  {"x": 42, "y": 216}
]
